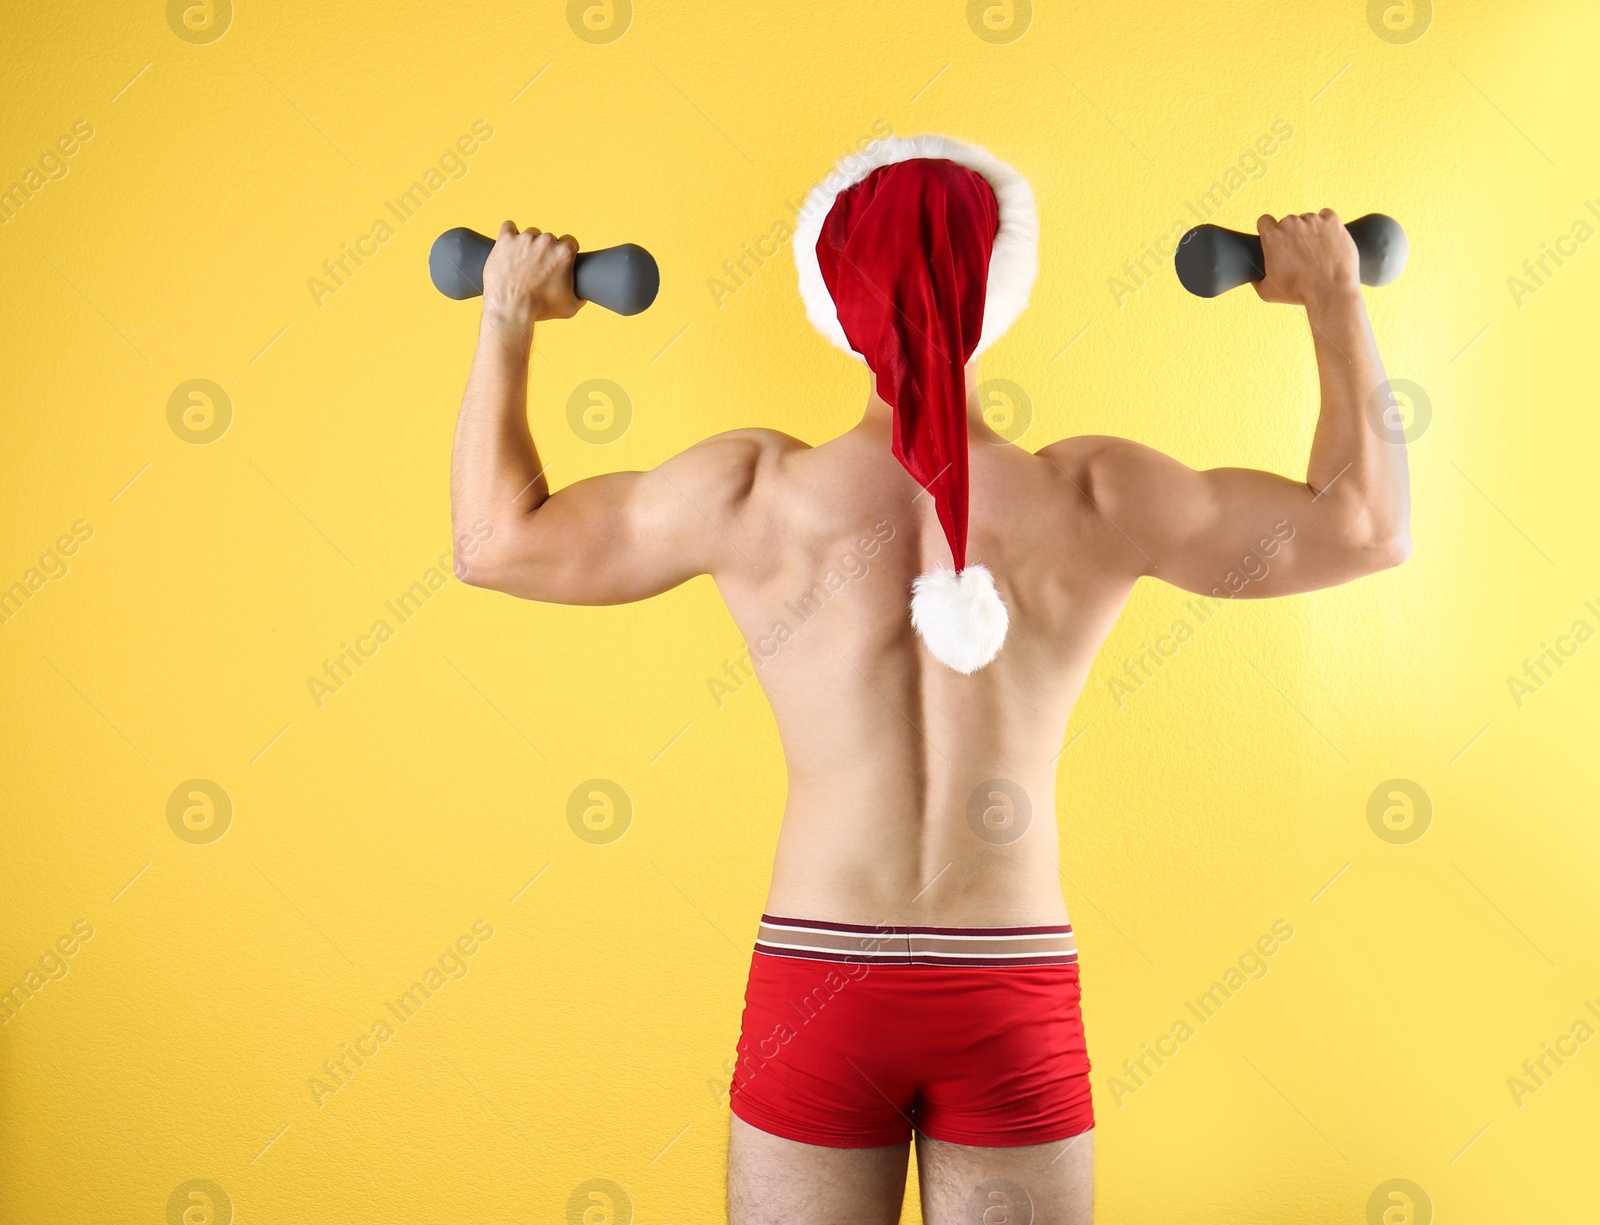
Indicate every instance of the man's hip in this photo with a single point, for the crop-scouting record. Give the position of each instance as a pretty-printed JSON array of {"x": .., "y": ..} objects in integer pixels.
[{"x": 854, "y": 1036}]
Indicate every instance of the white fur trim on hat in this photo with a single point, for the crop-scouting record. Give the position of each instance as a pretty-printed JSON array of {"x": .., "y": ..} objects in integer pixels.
[
  {"x": 1013, "y": 264},
  {"x": 959, "y": 617}
]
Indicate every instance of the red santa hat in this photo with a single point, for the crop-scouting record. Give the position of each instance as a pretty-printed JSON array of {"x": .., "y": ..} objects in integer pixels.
[{"x": 915, "y": 255}]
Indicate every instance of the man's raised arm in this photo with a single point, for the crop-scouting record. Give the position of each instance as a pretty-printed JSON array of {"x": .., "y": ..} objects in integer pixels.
[
  {"x": 607, "y": 540},
  {"x": 1241, "y": 532}
]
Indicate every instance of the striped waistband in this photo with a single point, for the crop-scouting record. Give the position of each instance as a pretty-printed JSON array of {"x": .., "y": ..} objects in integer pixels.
[{"x": 886, "y": 944}]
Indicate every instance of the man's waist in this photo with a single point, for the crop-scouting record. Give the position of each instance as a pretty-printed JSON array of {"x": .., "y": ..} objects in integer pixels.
[{"x": 903, "y": 944}]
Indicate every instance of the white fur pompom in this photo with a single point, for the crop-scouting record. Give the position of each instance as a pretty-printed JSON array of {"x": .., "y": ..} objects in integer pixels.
[{"x": 960, "y": 617}]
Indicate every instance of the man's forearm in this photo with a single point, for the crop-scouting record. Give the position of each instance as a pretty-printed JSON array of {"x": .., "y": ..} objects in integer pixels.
[
  {"x": 1351, "y": 464},
  {"x": 495, "y": 474}
]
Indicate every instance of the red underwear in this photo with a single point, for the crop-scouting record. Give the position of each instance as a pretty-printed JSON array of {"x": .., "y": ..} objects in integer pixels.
[{"x": 855, "y": 1036}]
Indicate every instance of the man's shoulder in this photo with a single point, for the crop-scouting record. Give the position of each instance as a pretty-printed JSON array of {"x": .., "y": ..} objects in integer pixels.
[
  {"x": 737, "y": 450},
  {"x": 1084, "y": 456},
  {"x": 1083, "y": 448},
  {"x": 727, "y": 468},
  {"x": 747, "y": 453},
  {"x": 1108, "y": 474},
  {"x": 756, "y": 440}
]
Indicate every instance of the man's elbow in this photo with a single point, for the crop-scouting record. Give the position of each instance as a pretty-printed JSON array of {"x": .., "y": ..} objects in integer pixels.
[
  {"x": 1375, "y": 537},
  {"x": 1382, "y": 545},
  {"x": 477, "y": 567},
  {"x": 477, "y": 573},
  {"x": 1391, "y": 551},
  {"x": 498, "y": 559}
]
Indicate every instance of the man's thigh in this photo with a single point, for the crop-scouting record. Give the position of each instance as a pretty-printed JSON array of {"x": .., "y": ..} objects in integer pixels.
[
  {"x": 1037, "y": 1184},
  {"x": 772, "y": 1180}
]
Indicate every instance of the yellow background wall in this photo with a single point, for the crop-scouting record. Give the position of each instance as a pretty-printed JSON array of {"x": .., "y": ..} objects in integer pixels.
[{"x": 362, "y": 836}]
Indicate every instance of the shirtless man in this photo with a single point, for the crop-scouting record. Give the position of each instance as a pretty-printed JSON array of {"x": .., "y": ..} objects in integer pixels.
[{"x": 919, "y": 837}]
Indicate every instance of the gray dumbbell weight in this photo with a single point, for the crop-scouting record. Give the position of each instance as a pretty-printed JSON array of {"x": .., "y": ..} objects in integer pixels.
[
  {"x": 1212, "y": 260},
  {"x": 622, "y": 279}
]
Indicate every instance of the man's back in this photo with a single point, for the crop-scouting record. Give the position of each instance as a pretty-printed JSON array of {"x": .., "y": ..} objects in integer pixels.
[{"x": 917, "y": 795}]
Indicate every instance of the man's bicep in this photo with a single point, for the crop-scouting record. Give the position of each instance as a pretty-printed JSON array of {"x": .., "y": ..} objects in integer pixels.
[
  {"x": 624, "y": 536},
  {"x": 1227, "y": 532},
  {"x": 609, "y": 539}
]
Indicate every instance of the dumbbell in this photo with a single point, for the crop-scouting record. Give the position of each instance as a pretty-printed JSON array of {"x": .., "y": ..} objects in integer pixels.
[
  {"x": 622, "y": 279},
  {"x": 1212, "y": 260}
]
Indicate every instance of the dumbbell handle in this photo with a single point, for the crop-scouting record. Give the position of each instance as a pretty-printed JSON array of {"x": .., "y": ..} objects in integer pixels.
[
  {"x": 1212, "y": 260},
  {"x": 622, "y": 279}
]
